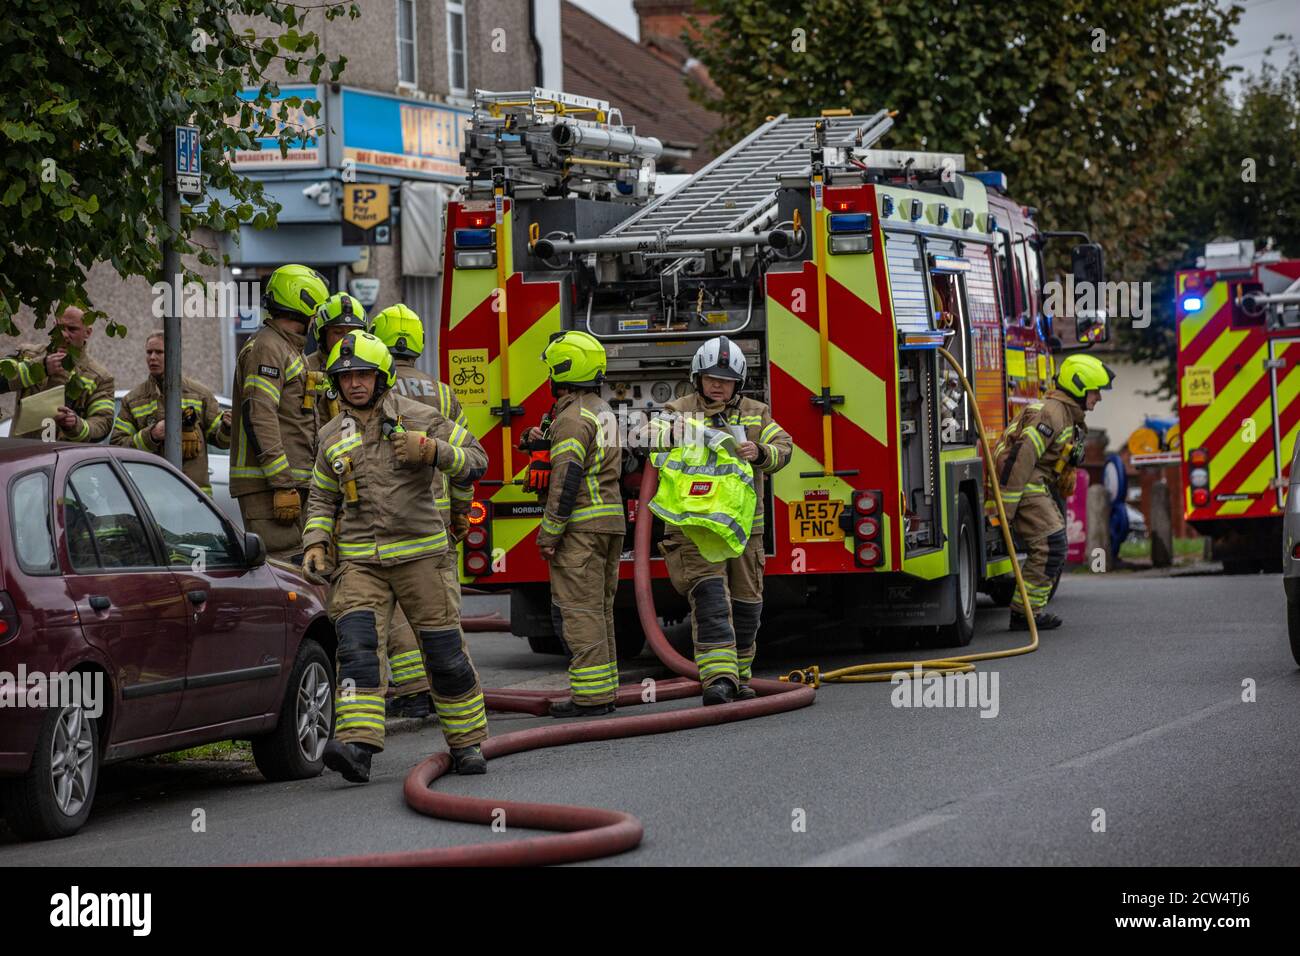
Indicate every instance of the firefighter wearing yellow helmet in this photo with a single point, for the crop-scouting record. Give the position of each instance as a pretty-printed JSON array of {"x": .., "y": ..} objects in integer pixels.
[
  {"x": 370, "y": 498},
  {"x": 275, "y": 427},
  {"x": 337, "y": 316},
  {"x": 1041, "y": 448},
  {"x": 726, "y": 597},
  {"x": 400, "y": 328},
  {"x": 581, "y": 537}
]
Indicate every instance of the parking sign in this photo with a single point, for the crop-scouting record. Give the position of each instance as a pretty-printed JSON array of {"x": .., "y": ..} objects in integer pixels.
[{"x": 189, "y": 180}]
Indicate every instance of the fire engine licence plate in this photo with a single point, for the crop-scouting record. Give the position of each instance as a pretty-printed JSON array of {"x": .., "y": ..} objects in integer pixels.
[{"x": 815, "y": 521}]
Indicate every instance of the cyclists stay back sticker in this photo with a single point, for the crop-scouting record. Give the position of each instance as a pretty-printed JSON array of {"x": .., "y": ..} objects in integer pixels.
[
  {"x": 1198, "y": 385},
  {"x": 468, "y": 372}
]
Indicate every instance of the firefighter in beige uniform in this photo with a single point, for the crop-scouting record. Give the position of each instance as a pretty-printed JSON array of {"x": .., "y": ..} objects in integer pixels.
[
  {"x": 140, "y": 422},
  {"x": 275, "y": 428},
  {"x": 726, "y": 598},
  {"x": 399, "y": 328},
  {"x": 582, "y": 531},
  {"x": 87, "y": 412},
  {"x": 1042, "y": 447},
  {"x": 371, "y": 494}
]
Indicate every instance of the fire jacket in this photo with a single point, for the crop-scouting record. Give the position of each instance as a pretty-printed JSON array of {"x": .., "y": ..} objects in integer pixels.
[
  {"x": 377, "y": 509},
  {"x": 1037, "y": 446},
  {"x": 275, "y": 427},
  {"x": 586, "y": 462},
  {"x": 87, "y": 389},
  {"x": 416, "y": 385},
  {"x": 142, "y": 408}
]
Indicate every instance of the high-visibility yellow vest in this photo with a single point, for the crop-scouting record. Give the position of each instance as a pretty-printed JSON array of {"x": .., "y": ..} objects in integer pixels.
[{"x": 709, "y": 494}]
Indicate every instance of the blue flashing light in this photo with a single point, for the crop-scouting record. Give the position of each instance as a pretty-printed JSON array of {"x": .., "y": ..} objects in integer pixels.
[
  {"x": 473, "y": 238},
  {"x": 1192, "y": 303},
  {"x": 850, "y": 222},
  {"x": 992, "y": 179}
]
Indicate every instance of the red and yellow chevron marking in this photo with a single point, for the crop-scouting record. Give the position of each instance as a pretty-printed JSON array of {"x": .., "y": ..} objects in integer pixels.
[
  {"x": 471, "y": 310},
  {"x": 863, "y": 368},
  {"x": 1226, "y": 407}
]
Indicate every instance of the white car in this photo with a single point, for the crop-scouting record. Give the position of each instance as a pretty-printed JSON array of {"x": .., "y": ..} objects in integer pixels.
[{"x": 218, "y": 464}]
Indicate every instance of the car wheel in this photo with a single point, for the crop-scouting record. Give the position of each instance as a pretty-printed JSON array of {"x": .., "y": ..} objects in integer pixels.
[
  {"x": 1293, "y": 627},
  {"x": 295, "y": 749},
  {"x": 54, "y": 798}
]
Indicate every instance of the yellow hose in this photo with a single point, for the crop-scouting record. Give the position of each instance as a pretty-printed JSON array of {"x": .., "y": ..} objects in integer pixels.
[{"x": 885, "y": 670}]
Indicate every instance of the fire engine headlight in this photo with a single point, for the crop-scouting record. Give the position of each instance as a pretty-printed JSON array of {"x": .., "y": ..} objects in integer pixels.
[
  {"x": 850, "y": 244},
  {"x": 1200, "y": 478},
  {"x": 476, "y": 260},
  {"x": 1192, "y": 303}
]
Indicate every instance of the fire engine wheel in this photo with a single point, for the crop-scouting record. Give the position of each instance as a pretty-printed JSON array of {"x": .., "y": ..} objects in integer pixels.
[
  {"x": 960, "y": 632},
  {"x": 545, "y": 644},
  {"x": 1293, "y": 626}
]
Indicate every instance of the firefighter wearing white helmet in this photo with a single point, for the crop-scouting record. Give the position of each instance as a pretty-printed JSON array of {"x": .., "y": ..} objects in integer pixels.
[
  {"x": 1043, "y": 447},
  {"x": 726, "y": 597},
  {"x": 581, "y": 537}
]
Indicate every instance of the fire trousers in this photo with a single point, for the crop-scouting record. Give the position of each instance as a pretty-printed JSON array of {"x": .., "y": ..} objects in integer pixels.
[
  {"x": 1040, "y": 526},
  {"x": 405, "y": 661},
  {"x": 283, "y": 541},
  {"x": 726, "y": 605},
  {"x": 362, "y": 606},
  {"x": 584, "y": 577}
]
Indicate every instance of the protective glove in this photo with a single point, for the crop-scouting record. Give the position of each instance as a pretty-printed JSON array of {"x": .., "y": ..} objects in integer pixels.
[
  {"x": 191, "y": 443},
  {"x": 459, "y": 525},
  {"x": 1066, "y": 481},
  {"x": 414, "y": 448},
  {"x": 316, "y": 564},
  {"x": 538, "y": 478},
  {"x": 286, "y": 505}
]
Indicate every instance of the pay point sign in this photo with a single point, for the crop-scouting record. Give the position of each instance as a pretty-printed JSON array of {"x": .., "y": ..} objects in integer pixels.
[{"x": 366, "y": 214}]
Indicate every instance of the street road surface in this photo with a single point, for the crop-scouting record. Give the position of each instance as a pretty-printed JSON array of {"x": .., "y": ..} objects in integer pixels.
[{"x": 1133, "y": 710}]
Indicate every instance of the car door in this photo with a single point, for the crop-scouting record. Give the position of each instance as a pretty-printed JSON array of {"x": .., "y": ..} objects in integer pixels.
[
  {"x": 237, "y": 613},
  {"x": 129, "y": 603}
]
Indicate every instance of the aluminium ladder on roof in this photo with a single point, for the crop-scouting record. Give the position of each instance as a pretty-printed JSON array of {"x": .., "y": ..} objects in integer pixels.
[{"x": 736, "y": 188}]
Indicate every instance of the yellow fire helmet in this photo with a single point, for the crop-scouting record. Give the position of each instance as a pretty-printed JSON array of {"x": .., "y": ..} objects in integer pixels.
[
  {"x": 1081, "y": 374},
  {"x": 295, "y": 288},
  {"x": 575, "y": 358},
  {"x": 357, "y": 351},
  {"x": 401, "y": 330},
  {"x": 339, "y": 311}
]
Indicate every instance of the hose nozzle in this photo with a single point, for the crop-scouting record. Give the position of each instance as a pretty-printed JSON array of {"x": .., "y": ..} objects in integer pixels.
[{"x": 812, "y": 676}]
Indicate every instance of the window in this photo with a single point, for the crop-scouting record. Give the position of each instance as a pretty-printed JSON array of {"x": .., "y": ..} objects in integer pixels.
[
  {"x": 406, "y": 42},
  {"x": 29, "y": 498},
  {"x": 104, "y": 530},
  {"x": 190, "y": 527},
  {"x": 907, "y": 281},
  {"x": 457, "y": 76}
]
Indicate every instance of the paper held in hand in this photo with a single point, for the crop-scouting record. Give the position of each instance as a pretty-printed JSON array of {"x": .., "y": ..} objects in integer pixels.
[{"x": 36, "y": 410}]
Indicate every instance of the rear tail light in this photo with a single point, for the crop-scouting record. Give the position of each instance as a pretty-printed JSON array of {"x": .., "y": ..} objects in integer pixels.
[
  {"x": 867, "y": 552},
  {"x": 1198, "y": 476},
  {"x": 1295, "y": 551},
  {"x": 9, "y": 621},
  {"x": 477, "y": 559}
]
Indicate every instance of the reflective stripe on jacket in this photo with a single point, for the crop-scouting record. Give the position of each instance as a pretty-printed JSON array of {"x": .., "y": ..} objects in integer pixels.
[
  {"x": 142, "y": 408},
  {"x": 586, "y": 463},
  {"x": 274, "y": 436}
]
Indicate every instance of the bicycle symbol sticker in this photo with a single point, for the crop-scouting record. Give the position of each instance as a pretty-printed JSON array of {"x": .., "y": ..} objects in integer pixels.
[{"x": 467, "y": 369}]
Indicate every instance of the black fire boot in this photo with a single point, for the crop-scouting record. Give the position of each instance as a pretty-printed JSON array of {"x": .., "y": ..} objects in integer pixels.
[
  {"x": 351, "y": 760},
  {"x": 417, "y": 706},
  {"x": 746, "y": 693},
  {"x": 1043, "y": 620},
  {"x": 468, "y": 760},
  {"x": 567, "y": 708},
  {"x": 721, "y": 691}
]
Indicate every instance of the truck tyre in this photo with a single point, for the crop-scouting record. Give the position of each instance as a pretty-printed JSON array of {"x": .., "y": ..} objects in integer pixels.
[
  {"x": 295, "y": 749},
  {"x": 1293, "y": 626},
  {"x": 629, "y": 637},
  {"x": 960, "y": 632},
  {"x": 545, "y": 644},
  {"x": 1001, "y": 589},
  {"x": 53, "y": 799}
]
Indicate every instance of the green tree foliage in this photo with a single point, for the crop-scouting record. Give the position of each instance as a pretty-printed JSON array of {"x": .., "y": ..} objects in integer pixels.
[
  {"x": 89, "y": 89},
  {"x": 1084, "y": 104}
]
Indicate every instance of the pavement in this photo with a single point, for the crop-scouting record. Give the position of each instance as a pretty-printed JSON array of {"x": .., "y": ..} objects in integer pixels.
[{"x": 1124, "y": 740}]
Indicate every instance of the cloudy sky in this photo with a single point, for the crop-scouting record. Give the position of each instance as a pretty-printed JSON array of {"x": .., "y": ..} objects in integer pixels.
[{"x": 1260, "y": 22}]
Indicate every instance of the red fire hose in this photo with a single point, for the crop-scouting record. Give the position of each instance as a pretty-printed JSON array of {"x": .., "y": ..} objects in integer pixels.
[{"x": 583, "y": 833}]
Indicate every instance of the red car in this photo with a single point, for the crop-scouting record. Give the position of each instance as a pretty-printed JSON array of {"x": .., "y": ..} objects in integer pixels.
[{"x": 135, "y": 619}]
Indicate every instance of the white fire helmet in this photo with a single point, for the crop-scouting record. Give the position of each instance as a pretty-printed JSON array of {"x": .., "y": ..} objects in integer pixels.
[{"x": 721, "y": 358}]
